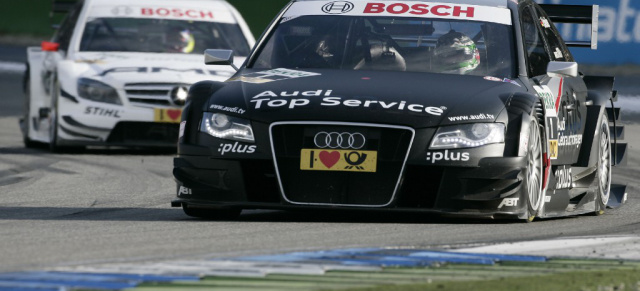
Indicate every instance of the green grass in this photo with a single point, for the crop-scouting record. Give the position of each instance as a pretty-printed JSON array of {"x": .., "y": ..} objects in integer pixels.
[
  {"x": 579, "y": 281},
  {"x": 259, "y": 13},
  {"x": 30, "y": 17},
  {"x": 557, "y": 274}
]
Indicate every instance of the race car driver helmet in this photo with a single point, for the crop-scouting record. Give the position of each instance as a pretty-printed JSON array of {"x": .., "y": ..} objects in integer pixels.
[
  {"x": 455, "y": 53},
  {"x": 321, "y": 54},
  {"x": 180, "y": 40},
  {"x": 324, "y": 49}
]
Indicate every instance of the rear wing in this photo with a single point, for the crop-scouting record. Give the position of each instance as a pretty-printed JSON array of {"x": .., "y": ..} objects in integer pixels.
[{"x": 580, "y": 14}]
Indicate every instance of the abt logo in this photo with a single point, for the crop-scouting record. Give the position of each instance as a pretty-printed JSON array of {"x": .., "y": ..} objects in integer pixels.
[
  {"x": 509, "y": 202},
  {"x": 338, "y": 7},
  {"x": 184, "y": 191}
]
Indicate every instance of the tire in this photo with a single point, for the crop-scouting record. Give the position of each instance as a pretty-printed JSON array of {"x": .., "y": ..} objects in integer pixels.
[
  {"x": 212, "y": 214},
  {"x": 28, "y": 143},
  {"x": 603, "y": 176},
  {"x": 534, "y": 172}
]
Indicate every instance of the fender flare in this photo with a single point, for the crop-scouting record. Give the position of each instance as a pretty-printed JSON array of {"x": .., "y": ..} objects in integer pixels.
[
  {"x": 199, "y": 94},
  {"x": 598, "y": 98},
  {"x": 593, "y": 118},
  {"x": 519, "y": 107},
  {"x": 600, "y": 89}
]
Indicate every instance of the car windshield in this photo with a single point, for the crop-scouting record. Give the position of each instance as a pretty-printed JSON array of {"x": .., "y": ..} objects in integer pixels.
[
  {"x": 161, "y": 36},
  {"x": 388, "y": 43}
]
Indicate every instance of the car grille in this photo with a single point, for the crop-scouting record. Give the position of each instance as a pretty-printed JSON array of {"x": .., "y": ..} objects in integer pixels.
[
  {"x": 340, "y": 188},
  {"x": 261, "y": 185},
  {"x": 420, "y": 187},
  {"x": 146, "y": 133},
  {"x": 151, "y": 94}
]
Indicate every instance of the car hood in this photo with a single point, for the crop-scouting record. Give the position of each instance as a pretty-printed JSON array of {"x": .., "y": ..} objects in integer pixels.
[
  {"x": 117, "y": 68},
  {"x": 401, "y": 98}
]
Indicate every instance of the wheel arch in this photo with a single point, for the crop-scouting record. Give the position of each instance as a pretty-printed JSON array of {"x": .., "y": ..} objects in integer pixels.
[
  {"x": 600, "y": 89},
  {"x": 586, "y": 156},
  {"x": 519, "y": 107},
  {"x": 199, "y": 94},
  {"x": 598, "y": 98},
  {"x": 67, "y": 75},
  {"x": 522, "y": 109}
]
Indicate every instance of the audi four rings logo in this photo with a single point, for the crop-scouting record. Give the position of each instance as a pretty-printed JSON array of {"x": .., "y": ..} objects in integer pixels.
[
  {"x": 121, "y": 10},
  {"x": 338, "y": 7},
  {"x": 335, "y": 140}
]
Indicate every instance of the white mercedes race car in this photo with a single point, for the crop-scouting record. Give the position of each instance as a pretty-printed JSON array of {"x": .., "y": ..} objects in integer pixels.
[{"x": 117, "y": 72}]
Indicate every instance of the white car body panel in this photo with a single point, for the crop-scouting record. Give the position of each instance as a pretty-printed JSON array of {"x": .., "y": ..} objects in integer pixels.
[{"x": 86, "y": 122}]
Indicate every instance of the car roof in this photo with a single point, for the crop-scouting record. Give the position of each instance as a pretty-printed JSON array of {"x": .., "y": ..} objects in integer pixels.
[{"x": 492, "y": 3}]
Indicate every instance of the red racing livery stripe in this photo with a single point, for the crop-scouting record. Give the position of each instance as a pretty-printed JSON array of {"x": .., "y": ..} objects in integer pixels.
[
  {"x": 547, "y": 167},
  {"x": 559, "y": 95}
]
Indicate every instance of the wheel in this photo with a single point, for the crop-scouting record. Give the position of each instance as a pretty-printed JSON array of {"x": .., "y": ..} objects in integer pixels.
[
  {"x": 28, "y": 143},
  {"x": 212, "y": 214},
  {"x": 604, "y": 165},
  {"x": 534, "y": 171}
]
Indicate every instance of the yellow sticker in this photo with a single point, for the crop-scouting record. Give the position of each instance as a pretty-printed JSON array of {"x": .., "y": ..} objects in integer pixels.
[
  {"x": 553, "y": 149},
  {"x": 167, "y": 115},
  {"x": 338, "y": 160}
]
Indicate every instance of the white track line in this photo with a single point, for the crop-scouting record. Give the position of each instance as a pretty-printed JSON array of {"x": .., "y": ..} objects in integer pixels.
[
  {"x": 616, "y": 247},
  {"x": 12, "y": 67}
]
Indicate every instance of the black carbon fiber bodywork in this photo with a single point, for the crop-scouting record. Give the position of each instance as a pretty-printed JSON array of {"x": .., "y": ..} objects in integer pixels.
[{"x": 399, "y": 114}]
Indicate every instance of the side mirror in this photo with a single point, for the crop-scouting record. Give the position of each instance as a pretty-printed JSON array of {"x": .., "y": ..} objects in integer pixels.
[
  {"x": 567, "y": 69},
  {"x": 49, "y": 46},
  {"x": 219, "y": 57}
]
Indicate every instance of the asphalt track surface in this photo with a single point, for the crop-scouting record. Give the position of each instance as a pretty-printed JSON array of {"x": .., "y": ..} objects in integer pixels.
[{"x": 112, "y": 206}]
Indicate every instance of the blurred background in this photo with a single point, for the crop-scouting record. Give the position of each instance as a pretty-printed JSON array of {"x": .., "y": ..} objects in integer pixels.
[
  {"x": 619, "y": 36},
  {"x": 618, "y": 52},
  {"x": 26, "y": 21},
  {"x": 52, "y": 200}
]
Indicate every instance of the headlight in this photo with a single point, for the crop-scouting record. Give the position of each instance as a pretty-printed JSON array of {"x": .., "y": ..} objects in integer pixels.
[
  {"x": 227, "y": 127},
  {"x": 468, "y": 135},
  {"x": 97, "y": 91}
]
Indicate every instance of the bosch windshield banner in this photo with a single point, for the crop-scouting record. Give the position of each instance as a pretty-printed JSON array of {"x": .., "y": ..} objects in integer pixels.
[
  {"x": 401, "y": 9},
  {"x": 619, "y": 32},
  {"x": 163, "y": 11}
]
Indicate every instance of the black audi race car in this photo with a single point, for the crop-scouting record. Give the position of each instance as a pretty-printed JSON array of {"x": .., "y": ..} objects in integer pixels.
[{"x": 457, "y": 107}]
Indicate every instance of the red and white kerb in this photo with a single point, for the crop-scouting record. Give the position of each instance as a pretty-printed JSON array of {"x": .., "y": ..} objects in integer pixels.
[{"x": 401, "y": 9}]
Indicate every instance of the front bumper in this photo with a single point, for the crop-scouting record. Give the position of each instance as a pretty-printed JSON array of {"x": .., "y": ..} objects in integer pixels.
[
  {"x": 473, "y": 186},
  {"x": 83, "y": 122}
]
